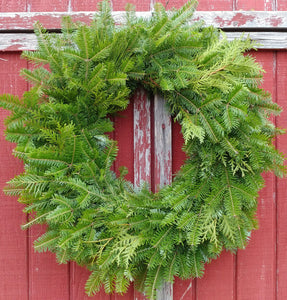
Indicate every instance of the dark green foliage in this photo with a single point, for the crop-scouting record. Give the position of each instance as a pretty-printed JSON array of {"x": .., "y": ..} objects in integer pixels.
[{"x": 60, "y": 126}]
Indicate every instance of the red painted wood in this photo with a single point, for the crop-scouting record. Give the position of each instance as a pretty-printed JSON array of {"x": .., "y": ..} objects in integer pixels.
[
  {"x": 182, "y": 289},
  {"x": 281, "y": 183},
  {"x": 47, "y": 279},
  {"x": 12, "y": 5},
  {"x": 51, "y": 5},
  {"x": 218, "y": 281},
  {"x": 142, "y": 138},
  {"x": 124, "y": 136},
  {"x": 215, "y": 5},
  {"x": 208, "y": 5},
  {"x": 256, "y": 269},
  {"x": 78, "y": 278},
  {"x": 84, "y": 5},
  {"x": 119, "y": 5},
  {"x": 13, "y": 241},
  {"x": 255, "y": 5},
  {"x": 281, "y": 5}
]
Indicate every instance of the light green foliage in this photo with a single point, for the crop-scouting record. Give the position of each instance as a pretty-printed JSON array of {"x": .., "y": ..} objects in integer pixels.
[{"x": 60, "y": 126}]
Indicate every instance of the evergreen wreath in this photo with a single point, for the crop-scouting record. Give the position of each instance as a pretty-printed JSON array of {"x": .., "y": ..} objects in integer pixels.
[{"x": 123, "y": 233}]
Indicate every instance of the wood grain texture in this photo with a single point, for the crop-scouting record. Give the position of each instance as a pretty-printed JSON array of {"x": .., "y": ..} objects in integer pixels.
[
  {"x": 223, "y": 19},
  {"x": 13, "y": 241},
  {"x": 142, "y": 138},
  {"x": 282, "y": 183},
  {"x": 162, "y": 163},
  {"x": 162, "y": 144}
]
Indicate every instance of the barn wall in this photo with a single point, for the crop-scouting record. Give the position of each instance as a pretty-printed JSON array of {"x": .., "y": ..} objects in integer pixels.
[{"x": 259, "y": 272}]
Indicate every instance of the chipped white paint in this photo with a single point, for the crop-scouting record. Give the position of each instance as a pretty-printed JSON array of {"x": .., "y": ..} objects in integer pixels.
[
  {"x": 17, "y": 42},
  {"x": 222, "y": 19},
  {"x": 142, "y": 138},
  {"x": 28, "y": 41}
]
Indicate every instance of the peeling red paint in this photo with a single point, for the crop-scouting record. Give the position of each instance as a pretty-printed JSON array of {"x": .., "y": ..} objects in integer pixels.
[
  {"x": 239, "y": 19},
  {"x": 275, "y": 21}
]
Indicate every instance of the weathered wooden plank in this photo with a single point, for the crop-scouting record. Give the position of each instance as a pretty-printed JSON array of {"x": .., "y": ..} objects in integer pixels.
[
  {"x": 28, "y": 41},
  {"x": 222, "y": 19},
  {"x": 162, "y": 144},
  {"x": 162, "y": 163},
  {"x": 142, "y": 146},
  {"x": 142, "y": 138},
  {"x": 265, "y": 40}
]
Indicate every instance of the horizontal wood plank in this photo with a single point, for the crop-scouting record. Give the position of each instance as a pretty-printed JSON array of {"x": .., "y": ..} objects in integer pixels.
[
  {"x": 222, "y": 19},
  {"x": 28, "y": 41}
]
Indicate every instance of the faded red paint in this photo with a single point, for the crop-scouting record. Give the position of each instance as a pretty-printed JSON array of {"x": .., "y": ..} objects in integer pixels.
[
  {"x": 239, "y": 19},
  {"x": 275, "y": 21}
]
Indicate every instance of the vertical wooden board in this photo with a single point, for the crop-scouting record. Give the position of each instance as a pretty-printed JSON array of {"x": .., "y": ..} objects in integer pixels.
[
  {"x": 51, "y": 5},
  {"x": 78, "y": 278},
  {"x": 264, "y": 5},
  {"x": 13, "y": 5},
  {"x": 84, "y": 5},
  {"x": 47, "y": 279},
  {"x": 120, "y": 5},
  {"x": 282, "y": 183},
  {"x": 218, "y": 282},
  {"x": 142, "y": 138},
  {"x": 13, "y": 240},
  {"x": 256, "y": 267},
  {"x": 162, "y": 144},
  {"x": 162, "y": 163}
]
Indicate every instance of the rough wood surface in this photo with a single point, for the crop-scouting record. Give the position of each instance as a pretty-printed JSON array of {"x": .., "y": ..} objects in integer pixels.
[
  {"x": 162, "y": 164},
  {"x": 222, "y": 19},
  {"x": 142, "y": 138}
]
